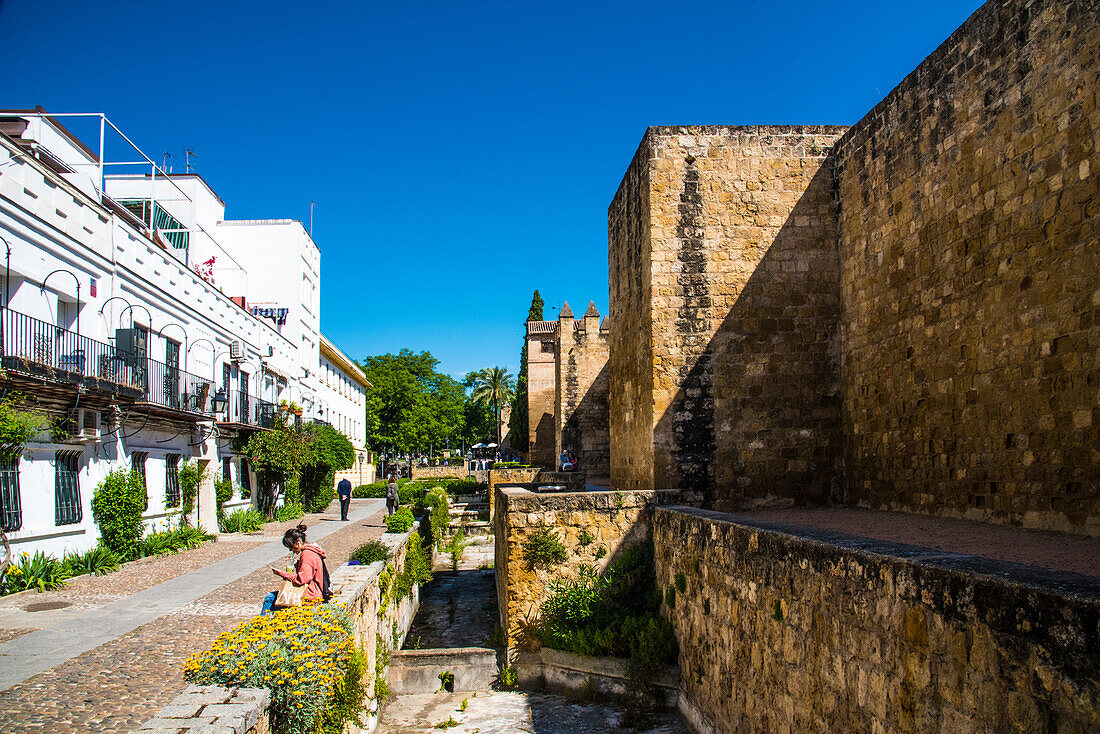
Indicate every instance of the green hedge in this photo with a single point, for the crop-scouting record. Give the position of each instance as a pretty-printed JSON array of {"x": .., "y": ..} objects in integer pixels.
[{"x": 117, "y": 504}]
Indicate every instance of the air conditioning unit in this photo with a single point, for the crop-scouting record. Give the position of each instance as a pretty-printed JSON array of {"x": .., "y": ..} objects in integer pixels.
[
  {"x": 236, "y": 350},
  {"x": 89, "y": 427}
]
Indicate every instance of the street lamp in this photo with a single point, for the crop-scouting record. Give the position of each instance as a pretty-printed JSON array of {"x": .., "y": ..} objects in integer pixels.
[{"x": 220, "y": 402}]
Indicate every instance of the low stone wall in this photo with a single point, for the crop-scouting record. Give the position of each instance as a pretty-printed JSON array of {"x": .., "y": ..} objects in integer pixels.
[
  {"x": 203, "y": 709},
  {"x": 613, "y": 519},
  {"x": 421, "y": 671},
  {"x": 518, "y": 477},
  {"x": 783, "y": 628},
  {"x": 359, "y": 589},
  {"x": 564, "y": 672},
  {"x": 459, "y": 471}
]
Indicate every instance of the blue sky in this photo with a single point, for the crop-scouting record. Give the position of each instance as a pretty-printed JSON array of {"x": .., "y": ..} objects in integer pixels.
[{"x": 460, "y": 154}]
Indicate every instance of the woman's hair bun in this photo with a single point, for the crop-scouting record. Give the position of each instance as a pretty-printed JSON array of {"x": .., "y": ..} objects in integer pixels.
[{"x": 302, "y": 526}]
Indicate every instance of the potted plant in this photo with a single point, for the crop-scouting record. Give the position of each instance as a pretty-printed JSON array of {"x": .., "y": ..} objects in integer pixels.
[
  {"x": 296, "y": 409},
  {"x": 284, "y": 407}
]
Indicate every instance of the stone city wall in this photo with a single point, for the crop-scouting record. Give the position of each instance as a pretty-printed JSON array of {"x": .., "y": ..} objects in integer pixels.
[
  {"x": 784, "y": 628},
  {"x": 614, "y": 520},
  {"x": 725, "y": 312},
  {"x": 582, "y": 384},
  {"x": 969, "y": 214},
  {"x": 630, "y": 399}
]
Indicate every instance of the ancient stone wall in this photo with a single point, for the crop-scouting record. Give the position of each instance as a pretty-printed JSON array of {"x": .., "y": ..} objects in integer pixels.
[
  {"x": 971, "y": 276},
  {"x": 582, "y": 383},
  {"x": 630, "y": 399},
  {"x": 542, "y": 338},
  {"x": 725, "y": 293},
  {"x": 613, "y": 519},
  {"x": 783, "y": 628}
]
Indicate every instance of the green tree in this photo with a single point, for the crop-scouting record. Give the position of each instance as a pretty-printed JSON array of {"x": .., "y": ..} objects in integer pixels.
[
  {"x": 494, "y": 387},
  {"x": 276, "y": 456},
  {"x": 327, "y": 452},
  {"x": 518, "y": 420},
  {"x": 410, "y": 405}
]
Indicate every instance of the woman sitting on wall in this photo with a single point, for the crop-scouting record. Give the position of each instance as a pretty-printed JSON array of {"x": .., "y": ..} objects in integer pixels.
[{"x": 309, "y": 571}]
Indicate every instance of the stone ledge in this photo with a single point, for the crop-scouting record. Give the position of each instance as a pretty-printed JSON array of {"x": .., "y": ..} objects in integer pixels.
[
  {"x": 213, "y": 710},
  {"x": 418, "y": 671}
]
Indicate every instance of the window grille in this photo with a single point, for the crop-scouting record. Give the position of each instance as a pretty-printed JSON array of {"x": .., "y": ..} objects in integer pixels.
[
  {"x": 246, "y": 479},
  {"x": 172, "y": 489},
  {"x": 137, "y": 466},
  {"x": 227, "y": 473},
  {"x": 67, "y": 509},
  {"x": 11, "y": 511}
]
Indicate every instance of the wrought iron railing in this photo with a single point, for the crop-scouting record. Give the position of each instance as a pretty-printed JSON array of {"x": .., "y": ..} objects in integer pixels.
[{"x": 48, "y": 345}]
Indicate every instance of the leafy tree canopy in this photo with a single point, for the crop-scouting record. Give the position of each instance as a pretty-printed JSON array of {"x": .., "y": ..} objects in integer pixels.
[{"x": 411, "y": 406}]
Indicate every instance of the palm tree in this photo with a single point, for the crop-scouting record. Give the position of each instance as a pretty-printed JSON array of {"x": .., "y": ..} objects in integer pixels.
[{"x": 493, "y": 386}]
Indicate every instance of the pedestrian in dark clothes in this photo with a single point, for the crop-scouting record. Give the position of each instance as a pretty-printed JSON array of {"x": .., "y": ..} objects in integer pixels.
[{"x": 343, "y": 490}]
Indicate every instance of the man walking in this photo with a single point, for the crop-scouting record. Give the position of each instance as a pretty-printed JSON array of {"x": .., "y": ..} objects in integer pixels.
[{"x": 343, "y": 490}]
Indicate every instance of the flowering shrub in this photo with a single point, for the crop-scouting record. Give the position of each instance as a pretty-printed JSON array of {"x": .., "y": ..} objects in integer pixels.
[{"x": 299, "y": 654}]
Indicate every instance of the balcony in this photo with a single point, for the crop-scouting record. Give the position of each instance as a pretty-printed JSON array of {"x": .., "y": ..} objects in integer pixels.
[
  {"x": 248, "y": 411},
  {"x": 63, "y": 358}
]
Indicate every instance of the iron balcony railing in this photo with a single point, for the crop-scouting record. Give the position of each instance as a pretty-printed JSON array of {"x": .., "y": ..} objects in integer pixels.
[
  {"x": 251, "y": 411},
  {"x": 42, "y": 344}
]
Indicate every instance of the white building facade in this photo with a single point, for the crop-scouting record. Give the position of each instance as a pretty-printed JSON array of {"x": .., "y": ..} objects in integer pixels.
[{"x": 133, "y": 312}]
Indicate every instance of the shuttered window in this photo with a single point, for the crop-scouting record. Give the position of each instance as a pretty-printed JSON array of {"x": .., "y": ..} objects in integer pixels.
[
  {"x": 11, "y": 511},
  {"x": 67, "y": 509},
  {"x": 172, "y": 488}
]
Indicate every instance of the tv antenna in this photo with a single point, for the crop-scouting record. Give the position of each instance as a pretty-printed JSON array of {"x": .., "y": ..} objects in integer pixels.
[
  {"x": 189, "y": 154},
  {"x": 164, "y": 165}
]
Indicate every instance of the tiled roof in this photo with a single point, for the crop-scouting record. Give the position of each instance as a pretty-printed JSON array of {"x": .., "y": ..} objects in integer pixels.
[{"x": 542, "y": 327}]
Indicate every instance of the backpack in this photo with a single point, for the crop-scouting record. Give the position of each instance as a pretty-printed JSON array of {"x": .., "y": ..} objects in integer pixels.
[{"x": 326, "y": 582}]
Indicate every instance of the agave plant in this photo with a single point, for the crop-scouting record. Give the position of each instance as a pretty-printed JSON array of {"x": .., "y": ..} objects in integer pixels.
[
  {"x": 154, "y": 544},
  {"x": 97, "y": 561},
  {"x": 39, "y": 571}
]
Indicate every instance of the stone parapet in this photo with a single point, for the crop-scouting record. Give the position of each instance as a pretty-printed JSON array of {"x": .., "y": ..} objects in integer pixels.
[
  {"x": 593, "y": 526},
  {"x": 458, "y": 471},
  {"x": 789, "y": 628},
  {"x": 213, "y": 710}
]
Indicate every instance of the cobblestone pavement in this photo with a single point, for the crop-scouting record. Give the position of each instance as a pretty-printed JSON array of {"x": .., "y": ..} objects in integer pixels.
[
  {"x": 499, "y": 712},
  {"x": 118, "y": 685},
  {"x": 1058, "y": 551}
]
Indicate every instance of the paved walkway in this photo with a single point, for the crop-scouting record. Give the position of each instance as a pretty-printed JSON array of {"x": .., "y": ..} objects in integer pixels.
[
  {"x": 1059, "y": 551},
  {"x": 112, "y": 655}
]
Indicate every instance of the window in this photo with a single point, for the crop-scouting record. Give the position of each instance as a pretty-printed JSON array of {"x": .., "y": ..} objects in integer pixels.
[
  {"x": 227, "y": 472},
  {"x": 246, "y": 479},
  {"x": 137, "y": 466},
  {"x": 172, "y": 480},
  {"x": 11, "y": 512},
  {"x": 67, "y": 509},
  {"x": 547, "y": 347}
]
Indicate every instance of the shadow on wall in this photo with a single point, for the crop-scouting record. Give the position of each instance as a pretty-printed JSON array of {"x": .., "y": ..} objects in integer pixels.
[
  {"x": 587, "y": 432},
  {"x": 757, "y": 417},
  {"x": 542, "y": 450}
]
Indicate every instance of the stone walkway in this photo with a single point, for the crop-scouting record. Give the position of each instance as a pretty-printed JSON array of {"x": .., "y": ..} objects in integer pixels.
[
  {"x": 506, "y": 712},
  {"x": 113, "y": 656},
  {"x": 1059, "y": 551}
]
